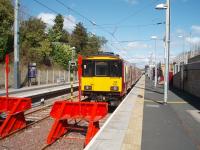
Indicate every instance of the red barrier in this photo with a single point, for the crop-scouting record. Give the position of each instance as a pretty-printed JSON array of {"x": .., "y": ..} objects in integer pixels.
[
  {"x": 80, "y": 59},
  {"x": 7, "y": 69},
  {"x": 14, "y": 109},
  {"x": 62, "y": 111}
]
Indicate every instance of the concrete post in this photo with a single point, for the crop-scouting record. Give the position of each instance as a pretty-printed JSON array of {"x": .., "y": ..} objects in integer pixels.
[
  {"x": 16, "y": 47},
  {"x": 166, "y": 84}
]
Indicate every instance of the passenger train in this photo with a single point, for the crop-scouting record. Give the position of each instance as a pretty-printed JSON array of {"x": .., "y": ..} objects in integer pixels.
[{"x": 107, "y": 77}]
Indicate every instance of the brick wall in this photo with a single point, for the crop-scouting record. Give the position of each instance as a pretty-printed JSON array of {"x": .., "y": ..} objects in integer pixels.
[{"x": 188, "y": 79}]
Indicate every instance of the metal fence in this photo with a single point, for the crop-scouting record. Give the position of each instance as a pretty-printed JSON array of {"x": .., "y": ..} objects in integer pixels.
[{"x": 44, "y": 76}]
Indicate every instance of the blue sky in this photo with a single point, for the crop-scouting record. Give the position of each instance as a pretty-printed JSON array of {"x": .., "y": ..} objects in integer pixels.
[{"x": 127, "y": 24}]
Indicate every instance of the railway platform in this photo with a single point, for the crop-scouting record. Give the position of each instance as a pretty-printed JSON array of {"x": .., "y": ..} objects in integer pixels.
[
  {"x": 36, "y": 92},
  {"x": 142, "y": 121}
]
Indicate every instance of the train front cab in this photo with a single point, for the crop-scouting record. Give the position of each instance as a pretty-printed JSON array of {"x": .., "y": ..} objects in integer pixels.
[{"x": 102, "y": 78}]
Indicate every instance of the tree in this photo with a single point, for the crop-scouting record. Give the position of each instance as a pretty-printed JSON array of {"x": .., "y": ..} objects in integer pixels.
[
  {"x": 57, "y": 33},
  {"x": 62, "y": 54},
  {"x": 79, "y": 38},
  {"x": 6, "y": 23},
  {"x": 59, "y": 22},
  {"x": 65, "y": 37},
  {"x": 94, "y": 44},
  {"x": 33, "y": 41},
  {"x": 40, "y": 54},
  {"x": 32, "y": 31}
]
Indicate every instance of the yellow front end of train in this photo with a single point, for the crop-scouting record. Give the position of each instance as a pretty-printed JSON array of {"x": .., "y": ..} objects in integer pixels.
[
  {"x": 102, "y": 77},
  {"x": 102, "y": 84}
]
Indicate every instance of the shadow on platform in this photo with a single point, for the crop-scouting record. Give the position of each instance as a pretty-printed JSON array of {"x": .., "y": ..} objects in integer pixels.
[{"x": 192, "y": 100}]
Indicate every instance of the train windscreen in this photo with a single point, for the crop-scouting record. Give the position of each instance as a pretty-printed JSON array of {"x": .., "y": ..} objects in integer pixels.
[
  {"x": 100, "y": 68},
  {"x": 87, "y": 68},
  {"x": 115, "y": 68}
]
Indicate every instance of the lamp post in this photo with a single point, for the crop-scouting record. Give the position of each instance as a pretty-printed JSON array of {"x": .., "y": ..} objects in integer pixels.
[
  {"x": 156, "y": 73},
  {"x": 71, "y": 70},
  {"x": 167, "y": 48},
  {"x": 16, "y": 47}
]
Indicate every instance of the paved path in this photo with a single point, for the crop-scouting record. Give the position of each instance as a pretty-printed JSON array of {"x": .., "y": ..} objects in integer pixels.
[{"x": 175, "y": 126}]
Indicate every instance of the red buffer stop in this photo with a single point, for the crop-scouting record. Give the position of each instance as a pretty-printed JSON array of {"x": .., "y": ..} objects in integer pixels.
[
  {"x": 12, "y": 110},
  {"x": 63, "y": 111}
]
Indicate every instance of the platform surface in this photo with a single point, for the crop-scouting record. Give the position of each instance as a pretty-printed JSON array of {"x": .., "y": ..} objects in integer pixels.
[
  {"x": 175, "y": 126},
  {"x": 142, "y": 121},
  {"x": 37, "y": 90},
  {"x": 122, "y": 126}
]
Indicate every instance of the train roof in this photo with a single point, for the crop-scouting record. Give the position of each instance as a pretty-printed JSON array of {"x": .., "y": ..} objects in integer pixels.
[{"x": 104, "y": 56}]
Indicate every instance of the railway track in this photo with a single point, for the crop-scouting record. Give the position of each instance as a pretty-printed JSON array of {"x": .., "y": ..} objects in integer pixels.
[
  {"x": 37, "y": 129},
  {"x": 74, "y": 138},
  {"x": 38, "y": 114}
]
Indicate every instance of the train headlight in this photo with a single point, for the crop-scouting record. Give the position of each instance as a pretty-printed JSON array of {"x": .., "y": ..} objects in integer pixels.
[
  {"x": 87, "y": 87},
  {"x": 114, "y": 88}
]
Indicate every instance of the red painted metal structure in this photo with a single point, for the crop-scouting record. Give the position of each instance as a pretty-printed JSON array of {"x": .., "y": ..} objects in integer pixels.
[
  {"x": 7, "y": 69},
  {"x": 80, "y": 58},
  {"x": 64, "y": 111},
  {"x": 13, "y": 108}
]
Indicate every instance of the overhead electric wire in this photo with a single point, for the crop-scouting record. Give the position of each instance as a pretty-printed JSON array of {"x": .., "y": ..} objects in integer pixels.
[
  {"x": 100, "y": 26},
  {"x": 31, "y": 16},
  {"x": 68, "y": 18},
  {"x": 132, "y": 41},
  {"x": 51, "y": 10},
  {"x": 89, "y": 20},
  {"x": 75, "y": 11},
  {"x": 136, "y": 12},
  {"x": 131, "y": 26}
]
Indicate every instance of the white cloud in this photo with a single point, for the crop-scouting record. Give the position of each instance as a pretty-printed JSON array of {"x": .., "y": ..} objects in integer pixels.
[
  {"x": 193, "y": 40},
  {"x": 132, "y": 1},
  {"x": 69, "y": 22},
  {"x": 138, "y": 60},
  {"x": 196, "y": 28},
  {"x": 48, "y": 18},
  {"x": 122, "y": 53},
  {"x": 180, "y": 31},
  {"x": 136, "y": 45}
]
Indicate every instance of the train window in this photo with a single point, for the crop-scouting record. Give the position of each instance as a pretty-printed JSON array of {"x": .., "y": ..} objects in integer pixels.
[
  {"x": 87, "y": 68},
  {"x": 115, "y": 69},
  {"x": 101, "y": 68}
]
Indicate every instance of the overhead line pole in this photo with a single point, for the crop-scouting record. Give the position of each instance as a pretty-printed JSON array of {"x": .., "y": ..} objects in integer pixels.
[
  {"x": 16, "y": 46},
  {"x": 166, "y": 84}
]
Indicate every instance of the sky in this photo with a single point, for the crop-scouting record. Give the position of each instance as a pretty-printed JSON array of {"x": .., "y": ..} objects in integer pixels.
[{"x": 128, "y": 25}]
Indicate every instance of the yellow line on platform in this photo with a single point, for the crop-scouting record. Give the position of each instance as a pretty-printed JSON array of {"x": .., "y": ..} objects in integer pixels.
[
  {"x": 169, "y": 101},
  {"x": 133, "y": 136}
]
